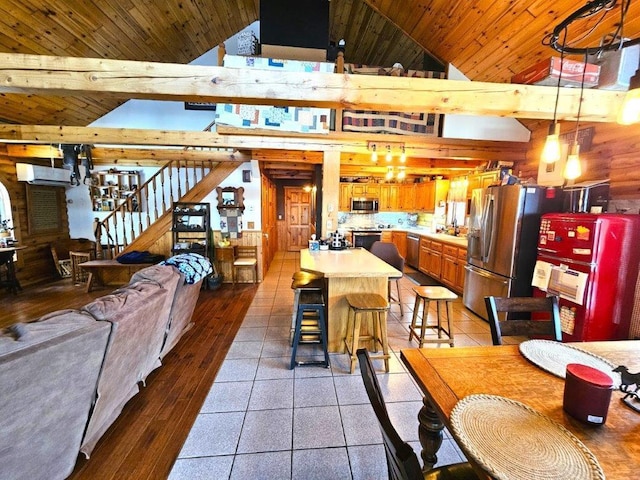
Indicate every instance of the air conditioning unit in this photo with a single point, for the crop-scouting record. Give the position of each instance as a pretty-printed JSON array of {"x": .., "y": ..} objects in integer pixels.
[{"x": 39, "y": 175}]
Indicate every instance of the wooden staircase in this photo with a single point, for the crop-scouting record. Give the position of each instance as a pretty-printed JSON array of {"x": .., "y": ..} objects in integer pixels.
[{"x": 131, "y": 228}]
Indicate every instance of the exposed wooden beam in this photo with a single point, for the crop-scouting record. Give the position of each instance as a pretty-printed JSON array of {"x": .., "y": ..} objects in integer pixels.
[
  {"x": 421, "y": 147},
  {"x": 130, "y": 156},
  {"x": 42, "y": 75}
]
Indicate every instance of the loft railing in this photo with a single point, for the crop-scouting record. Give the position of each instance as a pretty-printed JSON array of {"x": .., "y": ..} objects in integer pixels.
[{"x": 147, "y": 204}]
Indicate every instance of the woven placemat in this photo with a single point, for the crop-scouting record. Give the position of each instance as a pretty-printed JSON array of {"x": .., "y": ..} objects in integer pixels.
[
  {"x": 511, "y": 441},
  {"x": 555, "y": 356}
]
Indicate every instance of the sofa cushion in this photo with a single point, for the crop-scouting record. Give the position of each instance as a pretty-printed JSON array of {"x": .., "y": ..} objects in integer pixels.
[
  {"x": 138, "y": 316},
  {"x": 49, "y": 376}
]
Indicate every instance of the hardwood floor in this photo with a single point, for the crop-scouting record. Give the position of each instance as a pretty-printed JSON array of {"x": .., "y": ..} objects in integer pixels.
[{"x": 145, "y": 440}]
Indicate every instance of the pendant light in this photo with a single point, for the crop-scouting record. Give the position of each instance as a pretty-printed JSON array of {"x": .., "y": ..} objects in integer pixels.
[
  {"x": 551, "y": 152},
  {"x": 388, "y": 157},
  {"x": 374, "y": 154},
  {"x": 573, "y": 167},
  {"x": 403, "y": 156},
  {"x": 630, "y": 111}
]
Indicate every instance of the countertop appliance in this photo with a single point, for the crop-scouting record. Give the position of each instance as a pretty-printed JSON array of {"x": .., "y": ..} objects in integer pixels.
[
  {"x": 503, "y": 229},
  {"x": 413, "y": 250},
  {"x": 364, "y": 205},
  {"x": 591, "y": 262}
]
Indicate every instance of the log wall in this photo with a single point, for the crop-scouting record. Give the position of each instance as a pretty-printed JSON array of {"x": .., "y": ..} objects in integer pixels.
[{"x": 614, "y": 154}]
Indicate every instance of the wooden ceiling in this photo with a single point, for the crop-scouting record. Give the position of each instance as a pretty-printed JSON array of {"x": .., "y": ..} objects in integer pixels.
[{"x": 488, "y": 40}]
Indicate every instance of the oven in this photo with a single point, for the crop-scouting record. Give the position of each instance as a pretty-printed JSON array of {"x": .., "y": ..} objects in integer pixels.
[{"x": 365, "y": 238}]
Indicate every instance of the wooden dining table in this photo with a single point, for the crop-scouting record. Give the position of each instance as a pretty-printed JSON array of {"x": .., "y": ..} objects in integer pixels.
[{"x": 447, "y": 375}]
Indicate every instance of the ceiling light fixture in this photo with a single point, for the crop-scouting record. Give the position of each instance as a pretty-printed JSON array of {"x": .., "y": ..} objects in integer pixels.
[
  {"x": 402, "y": 173},
  {"x": 388, "y": 156},
  {"x": 551, "y": 151},
  {"x": 403, "y": 156},
  {"x": 573, "y": 168},
  {"x": 630, "y": 111},
  {"x": 374, "y": 154},
  {"x": 389, "y": 175}
]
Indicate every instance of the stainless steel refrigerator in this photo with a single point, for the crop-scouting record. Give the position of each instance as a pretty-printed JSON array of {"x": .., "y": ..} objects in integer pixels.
[{"x": 502, "y": 240}]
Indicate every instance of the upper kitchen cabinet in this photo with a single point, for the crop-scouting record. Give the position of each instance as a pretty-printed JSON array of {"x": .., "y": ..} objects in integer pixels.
[
  {"x": 371, "y": 190},
  {"x": 389, "y": 200},
  {"x": 481, "y": 180},
  {"x": 406, "y": 200},
  {"x": 345, "y": 197},
  {"x": 430, "y": 194}
]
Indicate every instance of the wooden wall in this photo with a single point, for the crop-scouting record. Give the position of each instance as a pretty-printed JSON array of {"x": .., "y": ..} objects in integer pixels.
[
  {"x": 614, "y": 154},
  {"x": 35, "y": 263}
]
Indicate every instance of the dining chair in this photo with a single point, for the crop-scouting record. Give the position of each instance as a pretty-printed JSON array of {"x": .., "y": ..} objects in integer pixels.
[
  {"x": 245, "y": 257},
  {"x": 544, "y": 321},
  {"x": 389, "y": 253},
  {"x": 402, "y": 461}
]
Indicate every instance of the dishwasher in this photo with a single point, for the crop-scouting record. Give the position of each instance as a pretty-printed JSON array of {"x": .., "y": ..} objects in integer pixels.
[{"x": 413, "y": 250}]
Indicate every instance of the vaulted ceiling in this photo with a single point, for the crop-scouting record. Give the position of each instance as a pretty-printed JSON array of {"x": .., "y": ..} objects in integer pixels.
[{"x": 488, "y": 40}]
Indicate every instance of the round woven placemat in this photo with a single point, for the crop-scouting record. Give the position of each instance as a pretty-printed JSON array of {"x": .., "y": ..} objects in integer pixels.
[
  {"x": 511, "y": 441},
  {"x": 555, "y": 356}
]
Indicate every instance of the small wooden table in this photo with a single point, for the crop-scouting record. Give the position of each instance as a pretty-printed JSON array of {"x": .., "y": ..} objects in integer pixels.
[
  {"x": 448, "y": 375},
  {"x": 354, "y": 270},
  {"x": 6, "y": 258},
  {"x": 110, "y": 272}
]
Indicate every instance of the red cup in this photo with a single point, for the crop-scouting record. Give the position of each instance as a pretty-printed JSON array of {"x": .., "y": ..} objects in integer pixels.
[{"x": 587, "y": 393}]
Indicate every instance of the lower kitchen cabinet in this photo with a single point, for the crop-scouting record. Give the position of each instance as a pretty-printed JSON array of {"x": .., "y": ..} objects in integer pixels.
[
  {"x": 400, "y": 241},
  {"x": 443, "y": 262}
]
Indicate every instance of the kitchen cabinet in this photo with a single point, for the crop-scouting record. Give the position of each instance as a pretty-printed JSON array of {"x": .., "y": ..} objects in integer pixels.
[
  {"x": 345, "y": 197},
  {"x": 190, "y": 228},
  {"x": 371, "y": 190},
  {"x": 430, "y": 194},
  {"x": 480, "y": 180},
  {"x": 434, "y": 260},
  {"x": 444, "y": 262},
  {"x": 406, "y": 201},
  {"x": 423, "y": 259},
  {"x": 399, "y": 239},
  {"x": 389, "y": 200},
  {"x": 386, "y": 236}
]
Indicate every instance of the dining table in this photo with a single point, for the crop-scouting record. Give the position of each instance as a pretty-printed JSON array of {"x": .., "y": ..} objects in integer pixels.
[
  {"x": 448, "y": 375},
  {"x": 10, "y": 280}
]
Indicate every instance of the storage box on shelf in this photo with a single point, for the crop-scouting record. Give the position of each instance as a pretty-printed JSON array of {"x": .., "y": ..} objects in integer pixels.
[
  {"x": 111, "y": 188},
  {"x": 190, "y": 227}
]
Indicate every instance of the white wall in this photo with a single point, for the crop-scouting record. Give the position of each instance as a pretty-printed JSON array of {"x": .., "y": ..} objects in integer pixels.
[
  {"x": 481, "y": 128},
  {"x": 164, "y": 115}
]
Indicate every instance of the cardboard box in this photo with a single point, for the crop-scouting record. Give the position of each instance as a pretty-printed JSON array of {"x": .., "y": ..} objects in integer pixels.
[{"x": 547, "y": 71}]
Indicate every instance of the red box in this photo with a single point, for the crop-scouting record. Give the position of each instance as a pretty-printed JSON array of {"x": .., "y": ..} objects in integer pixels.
[{"x": 547, "y": 71}]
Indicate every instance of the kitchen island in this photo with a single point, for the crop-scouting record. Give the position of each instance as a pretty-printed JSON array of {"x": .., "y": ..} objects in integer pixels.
[{"x": 353, "y": 270}]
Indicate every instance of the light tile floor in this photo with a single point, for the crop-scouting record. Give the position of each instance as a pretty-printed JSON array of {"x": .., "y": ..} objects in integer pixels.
[{"x": 264, "y": 421}]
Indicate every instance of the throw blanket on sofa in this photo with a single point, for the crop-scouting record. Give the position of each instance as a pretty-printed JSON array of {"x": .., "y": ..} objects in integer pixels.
[{"x": 194, "y": 266}]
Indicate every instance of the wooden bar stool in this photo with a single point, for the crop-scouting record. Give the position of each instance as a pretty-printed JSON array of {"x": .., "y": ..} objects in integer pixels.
[
  {"x": 377, "y": 307},
  {"x": 310, "y": 327},
  {"x": 424, "y": 295}
]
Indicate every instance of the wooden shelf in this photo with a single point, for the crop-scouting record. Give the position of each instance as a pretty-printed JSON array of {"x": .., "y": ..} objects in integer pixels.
[{"x": 111, "y": 188}]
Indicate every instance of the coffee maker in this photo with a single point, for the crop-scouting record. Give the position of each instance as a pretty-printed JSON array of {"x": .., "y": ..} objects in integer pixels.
[{"x": 337, "y": 241}]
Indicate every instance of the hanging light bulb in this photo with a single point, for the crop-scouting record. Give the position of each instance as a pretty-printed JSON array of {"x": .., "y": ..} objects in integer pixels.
[
  {"x": 374, "y": 154},
  {"x": 551, "y": 151},
  {"x": 388, "y": 157},
  {"x": 389, "y": 175},
  {"x": 402, "y": 173},
  {"x": 573, "y": 167},
  {"x": 630, "y": 111},
  {"x": 403, "y": 156}
]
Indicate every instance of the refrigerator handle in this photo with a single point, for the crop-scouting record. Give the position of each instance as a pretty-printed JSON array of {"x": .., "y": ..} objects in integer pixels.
[{"x": 486, "y": 241}]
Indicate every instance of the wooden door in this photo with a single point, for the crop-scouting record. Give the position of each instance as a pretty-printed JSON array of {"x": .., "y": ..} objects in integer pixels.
[{"x": 298, "y": 211}]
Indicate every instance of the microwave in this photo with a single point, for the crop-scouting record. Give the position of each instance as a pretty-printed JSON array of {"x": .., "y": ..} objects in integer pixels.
[{"x": 364, "y": 205}]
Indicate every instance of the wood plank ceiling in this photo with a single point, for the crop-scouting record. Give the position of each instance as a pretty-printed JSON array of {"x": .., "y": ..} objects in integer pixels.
[{"x": 488, "y": 40}]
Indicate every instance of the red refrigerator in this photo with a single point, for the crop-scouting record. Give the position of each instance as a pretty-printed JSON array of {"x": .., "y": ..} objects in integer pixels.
[{"x": 590, "y": 261}]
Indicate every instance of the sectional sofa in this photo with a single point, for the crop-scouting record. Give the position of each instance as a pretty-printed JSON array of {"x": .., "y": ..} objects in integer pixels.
[{"x": 65, "y": 377}]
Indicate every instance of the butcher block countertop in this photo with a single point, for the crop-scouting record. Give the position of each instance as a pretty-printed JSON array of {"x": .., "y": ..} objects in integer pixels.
[{"x": 351, "y": 262}]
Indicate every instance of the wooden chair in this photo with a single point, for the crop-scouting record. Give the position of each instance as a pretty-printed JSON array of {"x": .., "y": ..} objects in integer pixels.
[
  {"x": 389, "y": 253},
  {"x": 245, "y": 257},
  {"x": 545, "y": 322},
  {"x": 402, "y": 461},
  {"x": 79, "y": 275},
  {"x": 60, "y": 253}
]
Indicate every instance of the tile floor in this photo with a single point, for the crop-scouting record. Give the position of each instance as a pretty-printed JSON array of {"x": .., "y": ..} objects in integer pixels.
[{"x": 264, "y": 421}]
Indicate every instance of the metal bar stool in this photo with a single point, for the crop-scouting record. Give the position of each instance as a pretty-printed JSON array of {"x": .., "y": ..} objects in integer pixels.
[
  {"x": 302, "y": 280},
  {"x": 311, "y": 327},
  {"x": 377, "y": 307},
  {"x": 424, "y": 295}
]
